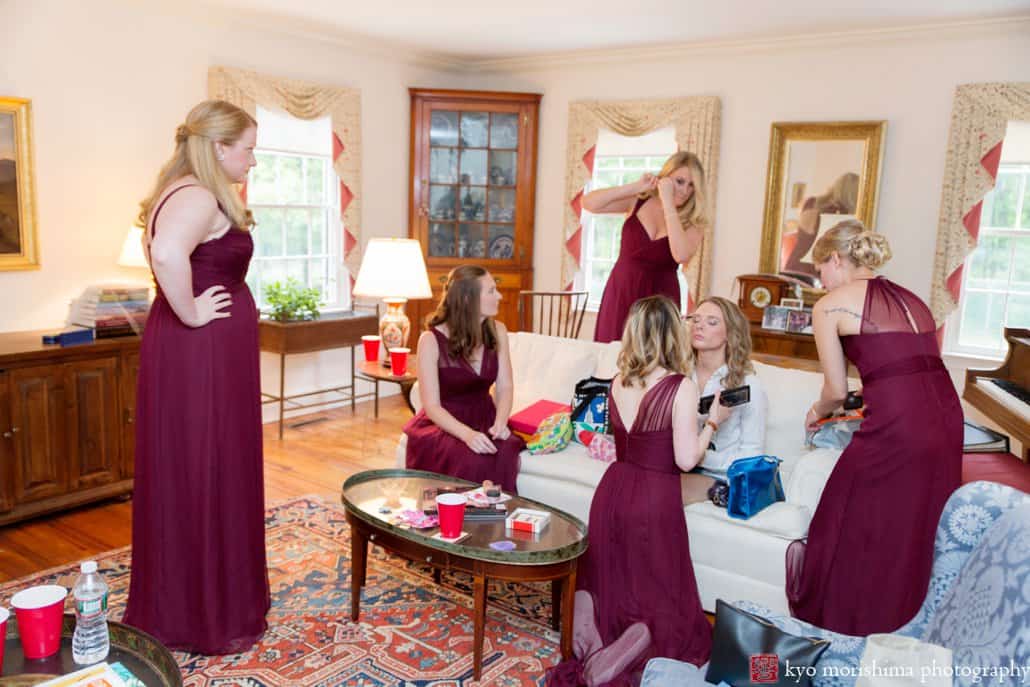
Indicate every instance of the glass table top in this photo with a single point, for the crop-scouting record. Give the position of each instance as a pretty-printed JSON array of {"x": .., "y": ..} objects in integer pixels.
[{"x": 378, "y": 496}]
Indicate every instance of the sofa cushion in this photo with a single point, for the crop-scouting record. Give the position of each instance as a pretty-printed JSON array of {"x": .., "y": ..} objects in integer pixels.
[
  {"x": 807, "y": 477},
  {"x": 790, "y": 393},
  {"x": 572, "y": 464},
  {"x": 548, "y": 367},
  {"x": 783, "y": 519}
]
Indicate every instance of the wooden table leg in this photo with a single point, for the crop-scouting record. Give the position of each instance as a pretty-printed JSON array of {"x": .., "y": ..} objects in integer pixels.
[
  {"x": 568, "y": 610},
  {"x": 437, "y": 575},
  {"x": 479, "y": 623},
  {"x": 376, "y": 415},
  {"x": 282, "y": 391},
  {"x": 406, "y": 392},
  {"x": 353, "y": 387},
  {"x": 358, "y": 560},
  {"x": 556, "y": 592}
]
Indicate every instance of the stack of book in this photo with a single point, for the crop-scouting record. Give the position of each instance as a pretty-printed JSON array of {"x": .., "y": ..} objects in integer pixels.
[{"x": 111, "y": 309}]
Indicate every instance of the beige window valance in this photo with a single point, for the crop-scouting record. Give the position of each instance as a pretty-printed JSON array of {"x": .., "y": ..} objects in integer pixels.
[
  {"x": 697, "y": 122},
  {"x": 305, "y": 100}
]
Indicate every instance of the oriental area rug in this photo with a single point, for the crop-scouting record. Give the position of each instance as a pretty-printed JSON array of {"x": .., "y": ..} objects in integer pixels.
[{"x": 411, "y": 633}]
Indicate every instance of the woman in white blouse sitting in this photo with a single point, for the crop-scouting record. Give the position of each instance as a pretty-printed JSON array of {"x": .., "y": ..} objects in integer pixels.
[{"x": 720, "y": 343}]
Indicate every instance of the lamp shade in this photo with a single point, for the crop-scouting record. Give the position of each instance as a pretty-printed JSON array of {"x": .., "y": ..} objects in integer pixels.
[
  {"x": 132, "y": 249},
  {"x": 393, "y": 268}
]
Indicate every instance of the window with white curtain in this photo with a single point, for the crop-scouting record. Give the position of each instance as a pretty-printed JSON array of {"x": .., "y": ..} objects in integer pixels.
[
  {"x": 294, "y": 195},
  {"x": 618, "y": 160},
  {"x": 996, "y": 278}
]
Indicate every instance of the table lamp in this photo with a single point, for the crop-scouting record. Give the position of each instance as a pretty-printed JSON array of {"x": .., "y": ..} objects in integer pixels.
[
  {"x": 132, "y": 254},
  {"x": 394, "y": 270}
]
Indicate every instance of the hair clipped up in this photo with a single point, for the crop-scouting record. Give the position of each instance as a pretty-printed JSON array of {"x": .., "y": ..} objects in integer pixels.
[{"x": 852, "y": 240}]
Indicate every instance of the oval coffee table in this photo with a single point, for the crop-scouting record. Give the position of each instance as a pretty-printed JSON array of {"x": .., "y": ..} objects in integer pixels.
[
  {"x": 144, "y": 656},
  {"x": 550, "y": 555}
]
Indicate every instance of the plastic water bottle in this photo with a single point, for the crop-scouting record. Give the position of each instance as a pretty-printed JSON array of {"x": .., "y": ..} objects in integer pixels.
[{"x": 91, "y": 641}]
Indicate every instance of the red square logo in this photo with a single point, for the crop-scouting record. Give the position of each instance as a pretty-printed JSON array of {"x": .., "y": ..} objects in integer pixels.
[{"x": 765, "y": 668}]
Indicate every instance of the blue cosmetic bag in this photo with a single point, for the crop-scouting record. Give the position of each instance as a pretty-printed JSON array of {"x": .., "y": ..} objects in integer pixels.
[{"x": 754, "y": 484}]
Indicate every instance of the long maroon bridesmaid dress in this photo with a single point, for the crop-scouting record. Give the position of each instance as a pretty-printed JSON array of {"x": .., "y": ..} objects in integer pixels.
[
  {"x": 638, "y": 567},
  {"x": 645, "y": 268},
  {"x": 199, "y": 581},
  {"x": 465, "y": 395},
  {"x": 866, "y": 566}
]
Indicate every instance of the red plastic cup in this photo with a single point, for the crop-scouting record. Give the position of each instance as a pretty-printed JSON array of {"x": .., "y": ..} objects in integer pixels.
[
  {"x": 39, "y": 611},
  {"x": 371, "y": 343},
  {"x": 451, "y": 510},
  {"x": 399, "y": 361},
  {"x": 4, "y": 615}
]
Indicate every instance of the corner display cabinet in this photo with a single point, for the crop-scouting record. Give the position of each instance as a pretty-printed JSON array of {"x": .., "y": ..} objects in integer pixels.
[{"x": 473, "y": 187}]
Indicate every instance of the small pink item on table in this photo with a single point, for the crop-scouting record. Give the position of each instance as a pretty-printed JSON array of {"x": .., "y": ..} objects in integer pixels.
[
  {"x": 39, "y": 611},
  {"x": 371, "y": 344},
  {"x": 450, "y": 509},
  {"x": 399, "y": 361}
]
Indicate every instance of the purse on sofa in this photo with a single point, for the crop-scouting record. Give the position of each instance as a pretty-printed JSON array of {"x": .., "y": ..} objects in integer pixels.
[
  {"x": 754, "y": 484},
  {"x": 590, "y": 409},
  {"x": 748, "y": 649}
]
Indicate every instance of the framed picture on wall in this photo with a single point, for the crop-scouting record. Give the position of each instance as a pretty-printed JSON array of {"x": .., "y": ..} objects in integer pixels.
[{"x": 19, "y": 245}]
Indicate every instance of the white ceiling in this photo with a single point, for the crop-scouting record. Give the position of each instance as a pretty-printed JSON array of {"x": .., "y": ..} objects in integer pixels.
[{"x": 493, "y": 29}]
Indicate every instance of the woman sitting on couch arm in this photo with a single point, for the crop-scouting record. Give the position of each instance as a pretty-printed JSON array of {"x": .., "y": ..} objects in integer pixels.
[
  {"x": 460, "y": 431},
  {"x": 720, "y": 345}
]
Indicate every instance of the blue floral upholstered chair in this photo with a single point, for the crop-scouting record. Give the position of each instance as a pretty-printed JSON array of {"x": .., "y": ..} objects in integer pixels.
[{"x": 977, "y": 604}]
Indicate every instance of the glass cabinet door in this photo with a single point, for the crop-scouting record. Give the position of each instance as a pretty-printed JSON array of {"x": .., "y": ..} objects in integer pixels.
[{"x": 473, "y": 170}]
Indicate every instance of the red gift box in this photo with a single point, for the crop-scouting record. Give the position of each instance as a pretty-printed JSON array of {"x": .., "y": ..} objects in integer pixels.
[{"x": 526, "y": 421}]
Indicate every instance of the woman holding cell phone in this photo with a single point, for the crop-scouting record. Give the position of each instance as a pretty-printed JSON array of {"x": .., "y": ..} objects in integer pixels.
[{"x": 720, "y": 350}]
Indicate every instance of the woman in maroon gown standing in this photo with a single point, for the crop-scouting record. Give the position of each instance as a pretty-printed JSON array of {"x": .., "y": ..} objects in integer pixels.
[
  {"x": 199, "y": 581},
  {"x": 460, "y": 431},
  {"x": 637, "y": 596},
  {"x": 866, "y": 566},
  {"x": 663, "y": 229}
]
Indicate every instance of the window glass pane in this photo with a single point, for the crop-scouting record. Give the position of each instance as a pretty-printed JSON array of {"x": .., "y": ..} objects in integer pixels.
[
  {"x": 272, "y": 271},
  {"x": 315, "y": 172},
  {"x": 607, "y": 179},
  {"x": 982, "y": 319},
  {"x": 504, "y": 130},
  {"x": 474, "y": 130},
  {"x": 634, "y": 163},
  {"x": 442, "y": 201},
  {"x": 1018, "y": 311},
  {"x": 1024, "y": 221},
  {"x": 990, "y": 262},
  {"x": 291, "y": 184},
  {"x": 297, "y": 232},
  {"x": 261, "y": 185},
  {"x": 1020, "y": 263},
  {"x": 502, "y": 205},
  {"x": 441, "y": 239},
  {"x": 443, "y": 128},
  {"x": 318, "y": 232},
  {"x": 254, "y": 281},
  {"x": 473, "y": 203},
  {"x": 602, "y": 244},
  {"x": 502, "y": 168},
  {"x": 598, "y": 276},
  {"x": 502, "y": 242},
  {"x": 471, "y": 241},
  {"x": 607, "y": 163},
  {"x": 297, "y": 269},
  {"x": 443, "y": 165},
  {"x": 1006, "y": 196},
  {"x": 318, "y": 272},
  {"x": 268, "y": 234},
  {"x": 473, "y": 167}
]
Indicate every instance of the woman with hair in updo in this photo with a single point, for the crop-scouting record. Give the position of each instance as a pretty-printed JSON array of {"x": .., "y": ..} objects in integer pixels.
[
  {"x": 461, "y": 430},
  {"x": 637, "y": 596},
  {"x": 665, "y": 225},
  {"x": 199, "y": 581},
  {"x": 866, "y": 566}
]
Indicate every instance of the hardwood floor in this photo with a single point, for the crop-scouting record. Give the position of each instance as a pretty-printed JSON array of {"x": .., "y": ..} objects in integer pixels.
[{"x": 315, "y": 456}]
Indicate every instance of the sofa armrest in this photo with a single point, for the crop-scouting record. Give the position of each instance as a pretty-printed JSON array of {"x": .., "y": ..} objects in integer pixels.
[{"x": 839, "y": 664}]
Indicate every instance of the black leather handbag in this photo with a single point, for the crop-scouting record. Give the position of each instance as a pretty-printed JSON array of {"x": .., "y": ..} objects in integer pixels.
[{"x": 748, "y": 649}]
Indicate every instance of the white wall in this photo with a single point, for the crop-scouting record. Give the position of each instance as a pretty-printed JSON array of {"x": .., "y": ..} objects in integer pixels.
[
  {"x": 109, "y": 81},
  {"x": 907, "y": 80}
]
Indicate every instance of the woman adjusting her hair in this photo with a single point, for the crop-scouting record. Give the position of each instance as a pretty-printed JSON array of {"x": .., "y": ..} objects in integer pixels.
[
  {"x": 664, "y": 227},
  {"x": 866, "y": 565},
  {"x": 198, "y": 511}
]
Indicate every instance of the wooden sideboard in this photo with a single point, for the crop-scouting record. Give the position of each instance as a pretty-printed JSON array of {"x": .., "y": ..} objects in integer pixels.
[
  {"x": 66, "y": 423},
  {"x": 783, "y": 344}
]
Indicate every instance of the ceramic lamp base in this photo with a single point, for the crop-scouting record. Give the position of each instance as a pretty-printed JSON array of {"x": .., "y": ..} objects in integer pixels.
[{"x": 394, "y": 325}]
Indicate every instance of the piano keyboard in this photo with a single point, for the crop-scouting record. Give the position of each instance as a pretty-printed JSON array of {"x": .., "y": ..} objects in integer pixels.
[{"x": 1010, "y": 399}]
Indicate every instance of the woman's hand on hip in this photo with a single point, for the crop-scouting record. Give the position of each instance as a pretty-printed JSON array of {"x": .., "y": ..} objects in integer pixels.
[{"x": 209, "y": 305}]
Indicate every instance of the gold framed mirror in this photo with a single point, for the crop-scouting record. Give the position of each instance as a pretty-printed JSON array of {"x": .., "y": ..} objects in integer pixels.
[
  {"x": 19, "y": 245},
  {"x": 819, "y": 174}
]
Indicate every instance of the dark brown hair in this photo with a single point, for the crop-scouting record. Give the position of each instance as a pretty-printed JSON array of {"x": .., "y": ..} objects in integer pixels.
[{"x": 459, "y": 310}]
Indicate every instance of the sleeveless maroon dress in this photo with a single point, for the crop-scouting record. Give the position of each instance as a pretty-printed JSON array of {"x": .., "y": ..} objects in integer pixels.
[
  {"x": 466, "y": 396},
  {"x": 866, "y": 566},
  {"x": 638, "y": 567},
  {"x": 199, "y": 581},
  {"x": 644, "y": 268}
]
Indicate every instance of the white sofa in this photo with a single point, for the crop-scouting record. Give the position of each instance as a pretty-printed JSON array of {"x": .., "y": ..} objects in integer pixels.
[{"x": 733, "y": 559}]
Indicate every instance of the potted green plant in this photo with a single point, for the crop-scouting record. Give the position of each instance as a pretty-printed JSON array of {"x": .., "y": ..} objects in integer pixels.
[{"x": 292, "y": 301}]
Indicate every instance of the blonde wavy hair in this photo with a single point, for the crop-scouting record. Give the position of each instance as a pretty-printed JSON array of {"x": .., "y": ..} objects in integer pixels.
[
  {"x": 693, "y": 212},
  {"x": 209, "y": 122},
  {"x": 854, "y": 242},
  {"x": 843, "y": 193},
  {"x": 653, "y": 337},
  {"x": 738, "y": 341}
]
